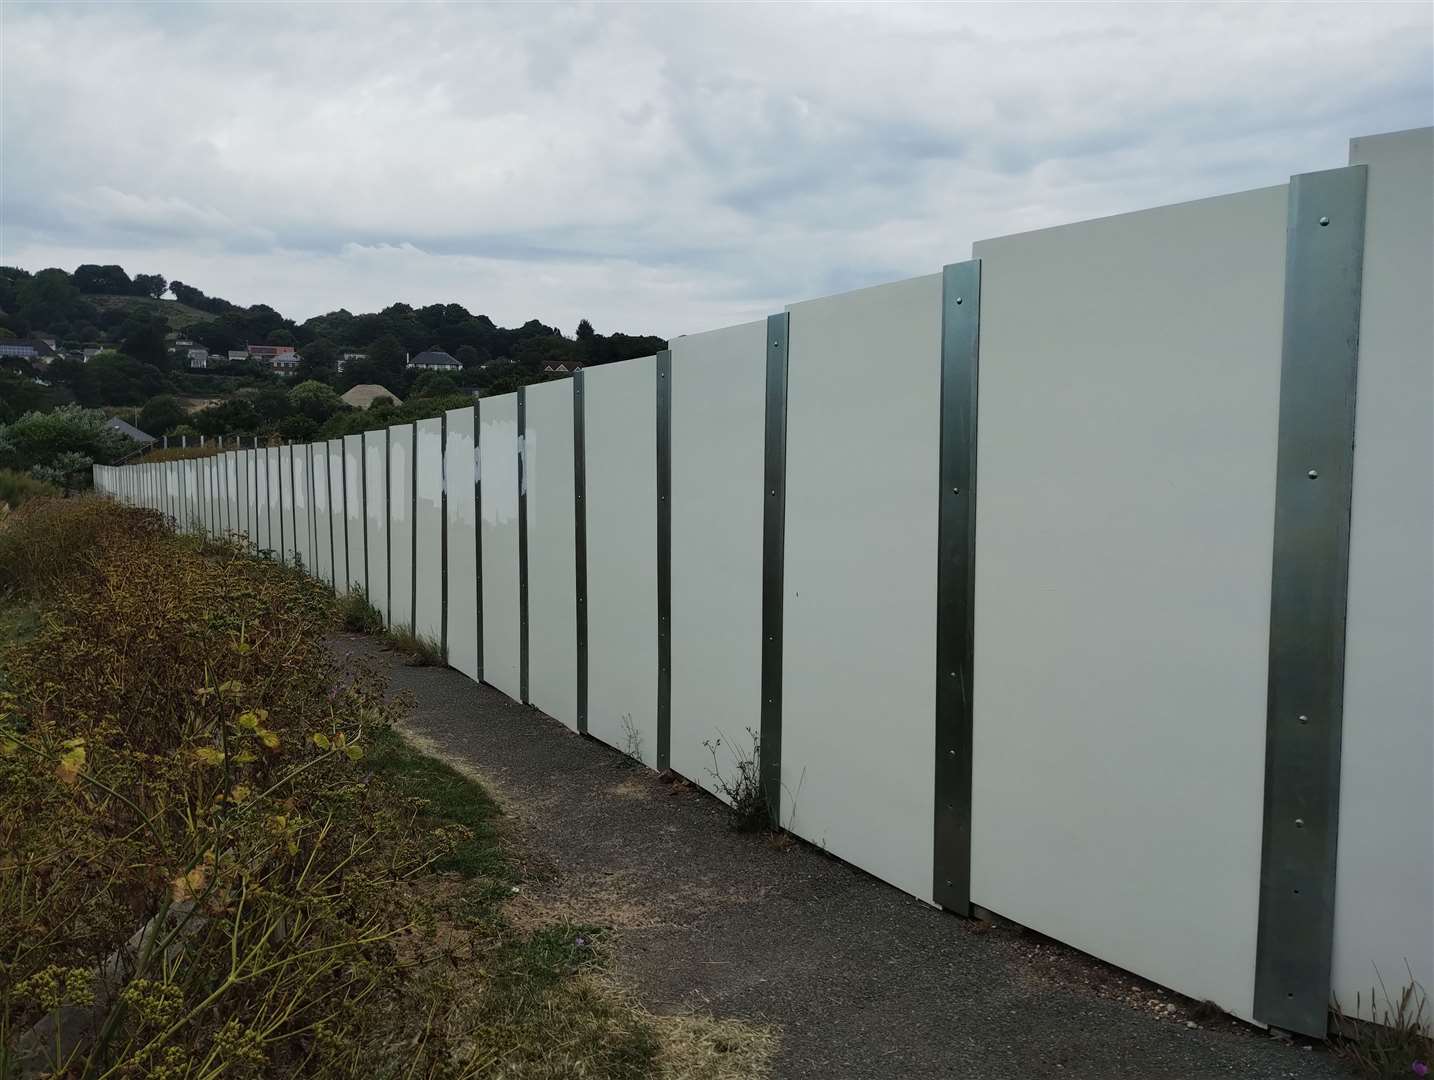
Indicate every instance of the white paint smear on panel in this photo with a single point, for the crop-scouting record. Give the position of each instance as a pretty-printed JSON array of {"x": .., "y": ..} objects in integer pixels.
[
  {"x": 428, "y": 569},
  {"x": 323, "y": 526},
  {"x": 299, "y": 499},
  {"x": 498, "y": 463},
  {"x": 1384, "y": 885},
  {"x": 718, "y": 449},
  {"x": 858, "y": 690},
  {"x": 354, "y": 511},
  {"x": 337, "y": 519},
  {"x": 375, "y": 449},
  {"x": 274, "y": 492},
  {"x": 620, "y": 425},
  {"x": 552, "y": 597},
  {"x": 400, "y": 525},
  {"x": 1129, "y": 403},
  {"x": 462, "y": 545}
]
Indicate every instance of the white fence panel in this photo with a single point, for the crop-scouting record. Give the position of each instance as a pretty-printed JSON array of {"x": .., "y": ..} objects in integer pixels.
[
  {"x": 318, "y": 465},
  {"x": 375, "y": 450},
  {"x": 428, "y": 566},
  {"x": 400, "y": 525},
  {"x": 244, "y": 495},
  {"x": 1125, "y": 521},
  {"x": 231, "y": 492},
  {"x": 278, "y": 513},
  {"x": 552, "y": 571},
  {"x": 354, "y": 524},
  {"x": 1384, "y": 882},
  {"x": 338, "y": 518},
  {"x": 498, "y": 469},
  {"x": 460, "y": 467},
  {"x": 859, "y": 641},
  {"x": 620, "y": 423},
  {"x": 298, "y": 471},
  {"x": 718, "y": 413},
  {"x": 288, "y": 512}
]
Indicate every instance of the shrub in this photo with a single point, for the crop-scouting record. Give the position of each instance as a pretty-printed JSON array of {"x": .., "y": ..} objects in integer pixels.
[
  {"x": 16, "y": 488},
  {"x": 358, "y": 615},
  {"x": 37, "y": 438}
]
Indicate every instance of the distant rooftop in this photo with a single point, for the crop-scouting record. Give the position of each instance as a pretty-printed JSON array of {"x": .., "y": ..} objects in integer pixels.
[{"x": 116, "y": 424}]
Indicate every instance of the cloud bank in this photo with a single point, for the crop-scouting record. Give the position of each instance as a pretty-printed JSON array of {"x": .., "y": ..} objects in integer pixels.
[{"x": 654, "y": 168}]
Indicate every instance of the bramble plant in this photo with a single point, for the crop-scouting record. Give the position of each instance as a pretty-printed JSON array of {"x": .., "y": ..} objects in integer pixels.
[{"x": 742, "y": 789}]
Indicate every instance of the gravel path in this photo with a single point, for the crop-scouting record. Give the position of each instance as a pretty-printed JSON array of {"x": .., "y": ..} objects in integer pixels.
[{"x": 861, "y": 980}]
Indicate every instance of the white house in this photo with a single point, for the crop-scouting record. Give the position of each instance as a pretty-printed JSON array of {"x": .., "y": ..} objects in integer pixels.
[{"x": 435, "y": 359}]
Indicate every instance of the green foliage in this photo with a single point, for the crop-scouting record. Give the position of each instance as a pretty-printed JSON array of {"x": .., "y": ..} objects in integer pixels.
[
  {"x": 112, "y": 378},
  {"x": 152, "y": 285},
  {"x": 18, "y": 487},
  {"x": 144, "y": 340},
  {"x": 421, "y": 651},
  {"x": 432, "y": 384},
  {"x": 20, "y": 394},
  {"x": 357, "y": 614},
  {"x": 354, "y": 421},
  {"x": 315, "y": 400},
  {"x": 40, "y": 438},
  {"x": 70, "y": 470},
  {"x": 297, "y": 428},
  {"x": 89, "y": 278},
  {"x": 234, "y": 417},
  {"x": 161, "y": 414}
]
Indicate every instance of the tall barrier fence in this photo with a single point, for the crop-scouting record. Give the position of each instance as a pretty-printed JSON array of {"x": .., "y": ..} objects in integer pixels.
[{"x": 1075, "y": 582}]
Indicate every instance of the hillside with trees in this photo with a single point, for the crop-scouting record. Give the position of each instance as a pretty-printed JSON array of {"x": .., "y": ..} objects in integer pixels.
[{"x": 135, "y": 325}]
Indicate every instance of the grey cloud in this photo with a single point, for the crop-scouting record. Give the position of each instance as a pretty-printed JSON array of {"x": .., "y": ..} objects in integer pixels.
[{"x": 657, "y": 167}]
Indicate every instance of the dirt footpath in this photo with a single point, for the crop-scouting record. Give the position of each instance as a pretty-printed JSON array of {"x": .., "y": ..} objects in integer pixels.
[{"x": 860, "y": 980}]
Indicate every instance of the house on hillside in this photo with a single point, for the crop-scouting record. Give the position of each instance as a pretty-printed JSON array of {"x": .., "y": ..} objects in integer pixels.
[
  {"x": 435, "y": 359},
  {"x": 89, "y": 352},
  {"x": 198, "y": 357},
  {"x": 348, "y": 358},
  {"x": 365, "y": 394},
  {"x": 238, "y": 356},
  {"x": 26, "y": 349},
  {"x": 268, "y": 352}
]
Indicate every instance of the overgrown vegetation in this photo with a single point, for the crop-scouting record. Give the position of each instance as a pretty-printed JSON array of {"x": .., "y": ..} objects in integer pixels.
[
  {"x": 16, "y": 487},
  {"x": 218, "y": 858},
  {"x": 1401, "y": 1042},
  {"x": 357, "y": 614},
  {"x": 59, "y": 447},
  {"x": 741, "y": 785},
  {"x": 421, "y": 651}
]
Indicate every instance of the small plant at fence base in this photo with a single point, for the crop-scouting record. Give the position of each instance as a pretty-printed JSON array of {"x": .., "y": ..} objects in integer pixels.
[
  {"x": 742, "y": 786},
  {"x": 1400, "y": 1041},
  {"x": 631, "y": 739},
  {"x": 357, "y": 614},
  {"x": 422, "y": 651}
]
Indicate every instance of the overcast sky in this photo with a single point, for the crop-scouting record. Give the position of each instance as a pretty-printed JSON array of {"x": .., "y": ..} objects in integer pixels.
[{"x": 659, "y": 168}]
